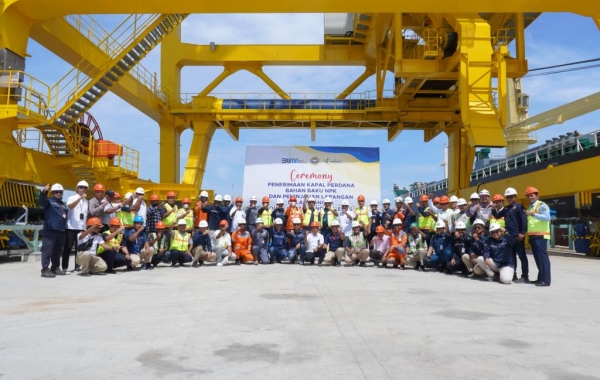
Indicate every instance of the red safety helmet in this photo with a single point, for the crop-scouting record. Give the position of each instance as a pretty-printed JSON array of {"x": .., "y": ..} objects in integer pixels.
[
  {"x": 293, "y": 199},
  {"x": 160, "y": 224},
  {"x": 265, "y": 199},
  {"x": 171, "y": 194},
  {"x": 379, "y": 229},
  {"x": 99, "y": 187},
  {"x": 186, "y": 200},
  {"x": 224, "y": 223},
  {"x": 115, "y": 222},
  {"x": 117, "y": 195},
  {"x": 315, "y": 224},
  {"x": 497, "y": 197},
  {"x": 424, "y": 198},
  {"x": 531, "y": 190},
  {"x": 361, "y": 198},
  {"x": 154, "y": 197},
  {"x": 436, "y": 200},
  {"x": 91, "y": 222},
  {"x": 239, "y": 199},
  {"x": 444, "y": 199}
]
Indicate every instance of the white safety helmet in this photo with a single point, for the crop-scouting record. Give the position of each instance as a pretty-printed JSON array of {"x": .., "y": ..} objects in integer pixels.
[
  {"x": 399, "y": 200},
  {"x": 510, "y": 191},
  {"x": 484, "y": 192},
  {"x": 460, "y": 225},
  {"x": 294, "y": 221},
  {"x": 279, "y": 221},
  {"x": 311, "y": 199},
  {"x": 181, "y": 222},
  {"x": 82, "y": 184},
  {"x": 494, "y": 227},
  {"x": 439, "y": 224},
  {"x": 327, "y": 200},
  {"x": 408, "y": 200},
  {"x": 128, "y": 195},
  {"x": 253, "y": 198},
  {"x": 478, "y": 221},
  {"x": 259, "y": 220},
  {"x": 373, "y": 203},
  {"x": 279, "y": 201},
  {"x": 385, "y": 201},
  {"x": 203, "y": 224},
  {"x": 140, "y": 190},
  {"x": 204, "y": 194},
  {"x": 242, "y": 221},
  {"x": 226, "y": 198},
  {"x": 345, "y": 203},
  {"x": 218, "y": 198},
  {"x": 57, "y": 187},
  {"x": 335, "y": 223},
  {"x": 461, "y": 202},
  {"x": 397, "y": 221},
  {"x": 355, "y": 224},
  {"x": 453, "y": 198},
  {"x": 474, "y": 196}
]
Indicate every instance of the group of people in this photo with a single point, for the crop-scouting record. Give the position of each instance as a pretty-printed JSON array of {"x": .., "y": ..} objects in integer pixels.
[{"x": 479, "y": 238}]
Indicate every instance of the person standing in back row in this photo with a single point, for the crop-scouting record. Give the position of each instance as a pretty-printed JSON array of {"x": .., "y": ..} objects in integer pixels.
[
  {"x": 76, "y": 221},
  {"x": 538, "y": 230},
  {"x": 55, "y": 224}
]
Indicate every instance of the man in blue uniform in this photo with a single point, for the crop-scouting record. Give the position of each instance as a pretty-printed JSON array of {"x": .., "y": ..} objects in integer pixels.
[{"x": 55, "y": 225}]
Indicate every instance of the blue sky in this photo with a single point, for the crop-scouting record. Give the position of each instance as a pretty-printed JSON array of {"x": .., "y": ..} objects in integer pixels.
[{"x": 551, "y": 39}]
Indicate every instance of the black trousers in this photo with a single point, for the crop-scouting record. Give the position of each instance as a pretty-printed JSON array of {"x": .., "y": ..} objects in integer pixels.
[
  {"x": 71, "y": 238},
  {"x": 52, "y": 245}
]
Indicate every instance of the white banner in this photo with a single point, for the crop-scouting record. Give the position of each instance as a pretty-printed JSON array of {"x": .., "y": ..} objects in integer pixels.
[{"x": 340, "y": 173}]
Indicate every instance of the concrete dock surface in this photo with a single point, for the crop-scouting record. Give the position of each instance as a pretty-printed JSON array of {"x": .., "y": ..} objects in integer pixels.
[{"x": 290, "y": 322}]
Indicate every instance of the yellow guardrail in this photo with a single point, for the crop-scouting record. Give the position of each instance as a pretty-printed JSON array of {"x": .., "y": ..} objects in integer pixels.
[{"x": 29, "y": 93}]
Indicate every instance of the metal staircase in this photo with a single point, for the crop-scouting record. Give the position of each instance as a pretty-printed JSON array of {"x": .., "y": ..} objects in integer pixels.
[{"x": 77, "y": 92}]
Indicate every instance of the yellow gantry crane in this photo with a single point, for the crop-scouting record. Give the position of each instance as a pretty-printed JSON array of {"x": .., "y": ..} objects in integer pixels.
[{"x": 444, "y": 58}]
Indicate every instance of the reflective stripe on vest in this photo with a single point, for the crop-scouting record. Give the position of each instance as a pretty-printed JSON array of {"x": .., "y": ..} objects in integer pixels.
[
  {"x": 308, "y": 214},
  {"x": 536, "y": 227},
  {"x": 172, "y": 218},
  {"x": 358, "y": 242},
  {"x": 180, "y": 242},
  {"x": 362, "y": 214},
  {"x": 126, "y": 218},
  {"x": 114, "y": 242},
  {"x": 267, "y": 218},
  {"x": 189, "y": 221},
  {"x": 425, "y": 222}
]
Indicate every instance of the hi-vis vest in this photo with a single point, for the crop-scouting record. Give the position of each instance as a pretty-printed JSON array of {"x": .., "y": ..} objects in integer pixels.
[
  {"x": 267, "y": 218},
  {"x": 426, "y": 222},
  {"x": 180, "y": 242},
  {"x": 462, "y": 217},
  {"x": 171, "y": 219},
  {"x": 126, "y": 218},
  {"x": 314, "y": 213},
  {"x": 114, "y": 242},
  {"x": 536, "y": 227},
  {"x": 330, "y": 217},
  {"x": 362, "y": 214},
  {"x": 158, "y": 244},
  {"x": 189, "y": 218},
  {"x": 500, "y": 221},
  {"x": 358, "y": 242}
]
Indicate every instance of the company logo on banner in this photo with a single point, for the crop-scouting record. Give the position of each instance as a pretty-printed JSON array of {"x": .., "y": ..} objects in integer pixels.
[{"x": 339, "y": 173}]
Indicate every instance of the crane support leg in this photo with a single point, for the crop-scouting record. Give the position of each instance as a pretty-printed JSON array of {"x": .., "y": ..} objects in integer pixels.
[
  {"x": 478, "y": 113},
  {"x": 196, "y": 163},
  {"x": 169, "y": 152},
  {"x": 460, "y": 160}
]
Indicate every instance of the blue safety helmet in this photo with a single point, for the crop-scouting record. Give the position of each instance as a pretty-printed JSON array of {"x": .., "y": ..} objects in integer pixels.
[{"x": 138, "y": 219}]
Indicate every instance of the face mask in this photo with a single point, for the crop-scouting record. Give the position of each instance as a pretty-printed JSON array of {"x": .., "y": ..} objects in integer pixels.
[
  {"x": 186, "y": 206},
  {"x": 293, "y": 204}
]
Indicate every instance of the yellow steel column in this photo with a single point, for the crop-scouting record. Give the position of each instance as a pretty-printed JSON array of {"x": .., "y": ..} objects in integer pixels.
[
  {"x": 196, "y": 163},
  {"x": 14, "y": 30},
  {"x": 500, "y": 57},
  {"x": 520, "y": 35},
  {"x": 460, "y": 160},
  {"x": 168, "y": 151},
  {"x": 170, "y": 68}
]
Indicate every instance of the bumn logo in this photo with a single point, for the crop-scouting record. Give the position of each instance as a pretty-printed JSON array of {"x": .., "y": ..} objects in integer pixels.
[
  {"x": 314, "y": 160},
  {"x": 290, "y": 160}
]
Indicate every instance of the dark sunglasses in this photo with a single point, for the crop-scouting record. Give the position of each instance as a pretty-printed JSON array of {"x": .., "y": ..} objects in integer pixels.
[
  {"x": 509, "y": 196},
  {"x": 57, "y": 192},
  {"x": 82, "y": 187},
  {"x": 495, "y": 232}
]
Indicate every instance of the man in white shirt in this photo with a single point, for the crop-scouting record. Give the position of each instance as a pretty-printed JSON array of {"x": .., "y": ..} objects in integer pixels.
[
  {"x": 237, "y": 214},
  {"x": 315, "y": 245},
  {"x": 78, "y": 213},
  {"x": 88, "y": 259},
  {"x": 221, "y": 244},
  {"x": 345, "y": 218},
  {"x": 112, "y": 206},
  {"x": 139, "y": 206}
]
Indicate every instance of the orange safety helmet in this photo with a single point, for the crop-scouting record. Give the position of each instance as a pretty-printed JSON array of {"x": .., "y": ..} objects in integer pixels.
[
  {"x": 361, "y": 198},
  {"x": 265, "y": 199},
  {"x": 293, "y": 199},
  {"x": 379, "y": 229},
  {"x": 99, "y": 187},
  {"x": 171, "y": 194},
  {"x": 315, "y": 224},
  {"x": 115, "y": 222},
  {"x": 117, "y": 195},
  {"x": 239, "y": 199},
  {"x": 224, "y": 222},
  {"x": 531, "y": 190},
  {"x": 436, "y": 200},
  {"x": 154, "y": 197},
  {"x": 424, "y": 198},
  {"x": 91, "y": 222},
  {"x": 186, "y": 200},
  {"x": 497, "y": 197},
  {"x": 444, "y": 199},
  {"x": 160, "y": 224}
]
